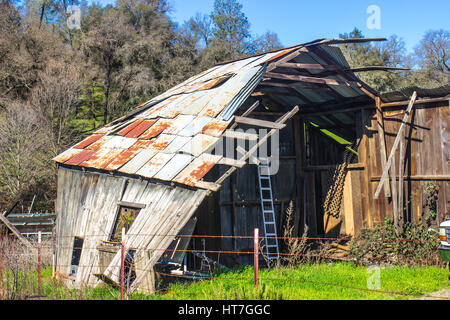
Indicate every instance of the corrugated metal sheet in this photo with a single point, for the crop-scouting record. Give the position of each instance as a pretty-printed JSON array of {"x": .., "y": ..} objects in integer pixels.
[
  {"x": 86, "y": 142},
  {"x": 196, "y": 170},
  {"x": 123, "y": 158},
  {"x": 162, "y": 141},
  {"x": 177, "y": 144},
  {"x": 199, "y": 144},
  {"x": 66, "y": 155},
  {"x": 215, "y": 127},
  {"x": 101, "y": 158},
  {"x": 155, "y": 164},
  {"x": 138, "y": 161},
  {"x": 195, "y": 126},
  {"x": 175, "y": 165},
  {"x": 156, "y": 129}
]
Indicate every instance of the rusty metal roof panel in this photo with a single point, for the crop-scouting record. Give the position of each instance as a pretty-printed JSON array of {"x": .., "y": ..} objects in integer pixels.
[
  {"x": 156, "y": 129},
  {"x": 123, "y": 158},
  {"x": 155, "y": 164},
  {"x": 140, "y": 128},
  {"x": 99, "y": 143},
  {"x": 195, "y": 126},
  {"x": 228, "y": 91},
  {"x": 79, "y": 158},
  {"x": 88, "y": 141},
  {"x": 129, "y": 127},
  {"x": 101, "y": 158},
  {"x": 215, "y": 127},
  {"x": 197, "y": 169},
  {"x": 199, "y": 144},
  {"x": 177, "y": 144},
  {"x": 162, "y": 141},
  {"x": 66, "y": 155},
  {"x": 178, "y": 124},
  {"x": 174, "y": 166},
  {"x": 199, "y": 104},
  {"x": 138, "y": 161},
  {"x": 119, "y": 142}
]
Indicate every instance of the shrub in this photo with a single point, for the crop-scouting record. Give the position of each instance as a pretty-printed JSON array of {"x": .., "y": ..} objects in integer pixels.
[{"x": 416, "y": 244}]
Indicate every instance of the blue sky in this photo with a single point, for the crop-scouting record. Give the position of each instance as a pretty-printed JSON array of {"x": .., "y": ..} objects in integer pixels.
[{"x": 298, "y": 21}]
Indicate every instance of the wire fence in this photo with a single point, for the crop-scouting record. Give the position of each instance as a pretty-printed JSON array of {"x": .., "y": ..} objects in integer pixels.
[{"x": 126, "y": 268}]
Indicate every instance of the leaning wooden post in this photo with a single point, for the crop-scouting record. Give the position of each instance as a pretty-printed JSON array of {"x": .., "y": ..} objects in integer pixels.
[
  {"x": 255, "y": 254},
  {"x": 122, "y": 264},
  {"x": 394, "y": 147},
  {"x": 39, "y": 263}
]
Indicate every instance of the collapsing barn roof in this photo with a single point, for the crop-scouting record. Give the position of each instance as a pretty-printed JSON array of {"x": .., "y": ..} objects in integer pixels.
[{"x": 168, "y": 137}]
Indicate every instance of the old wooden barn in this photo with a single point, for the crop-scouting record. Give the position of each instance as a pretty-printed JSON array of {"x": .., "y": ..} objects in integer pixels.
[{"x": 161, "y": 171}]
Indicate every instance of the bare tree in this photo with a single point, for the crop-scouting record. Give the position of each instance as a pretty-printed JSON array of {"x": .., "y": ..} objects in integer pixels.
[{"x": 433, "y": 55}]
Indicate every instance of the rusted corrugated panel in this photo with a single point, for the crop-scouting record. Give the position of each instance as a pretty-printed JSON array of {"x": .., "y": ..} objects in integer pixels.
[
  {"x": 130, "y": 127},
  {"x": 79, "y": 158},
  {"x": 156, "y": 129},
  {"x": 123, "y": 158},
  {"x": 178, "y": 124},
  {"x": 86, "y": 142},
  {"x": 199, "y": 144},
  {"x": 155, "y": 164},
  {"x": 197, "y": 169},
  {"x": 99, "y": 143},
  {"x": 228, "y": 91},
  {"x": 161, "y": 142},
  {"x": 198, "y": 105},
  {"x": 66, "y": 155},
  {"x": 215, "y": 127},
  {"x": 154, "y": 111},
  {"x": 177, "y": 144},
  {"x": 140, "y": 128},
  {"x": 144, "y": 144},
  {"x": 195, "y": 126},
  {"x": 175, "y": 165},
  {"x": 119, "y": 142},
  {"x": 138, "y": 161},
  {"x": 101, "y": 158}
]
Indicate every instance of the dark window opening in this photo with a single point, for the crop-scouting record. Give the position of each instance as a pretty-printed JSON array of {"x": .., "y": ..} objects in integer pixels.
[
  {"x": 76, "y": 255},
  {"x": 129, "y": 269},
  {"x": 125, "y": 219}
]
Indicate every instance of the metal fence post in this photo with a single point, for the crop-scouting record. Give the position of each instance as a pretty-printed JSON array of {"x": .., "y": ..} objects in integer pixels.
[
  {"x": 255, "y": 254},
  {"x": 39, "y": 263},
  {"x": 122, "y": 264}
]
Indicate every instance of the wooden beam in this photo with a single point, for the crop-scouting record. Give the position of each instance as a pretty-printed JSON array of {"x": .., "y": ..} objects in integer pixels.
[
  {"x": 252, "y": 150},
  {"x": 361, "y": 85},
  {"x": 288, "y": 57},
  {"x": 381, "y": 138},
  {"x": 396, "y": 142},
  {"x": 259, "y": 123},
  {"x": 240, "y": 135},
  {"x": 16, "y": 232},
  {"x": 131, "y": 204},
  {"x": 401, "y": 162},
  {"x": 418, "y": 178},
  {"x": 418, "y": 101},
  {"x": 313, "y": 66},
  {"x": 231, "y": 162},
  {"x": 252, "y": 158},
  {"x": 326, "y": 81},
  {"x": 208, "y": 185}
]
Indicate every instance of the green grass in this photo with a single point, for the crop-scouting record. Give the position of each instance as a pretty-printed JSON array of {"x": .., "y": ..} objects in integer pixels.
[
  {"x": 338, "y": 281},
  {"x": 314, "y": 282}
]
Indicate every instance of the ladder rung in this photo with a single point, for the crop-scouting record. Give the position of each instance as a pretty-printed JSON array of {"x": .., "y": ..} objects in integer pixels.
[
  {"x": 264, "y": 177},
  {"x": 266, "y": 188}
]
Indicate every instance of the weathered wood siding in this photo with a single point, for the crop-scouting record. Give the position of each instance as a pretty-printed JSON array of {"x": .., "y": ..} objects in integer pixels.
[
  {"x": 87, "y": 206},
  {"x": 426, "y": 160}
]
